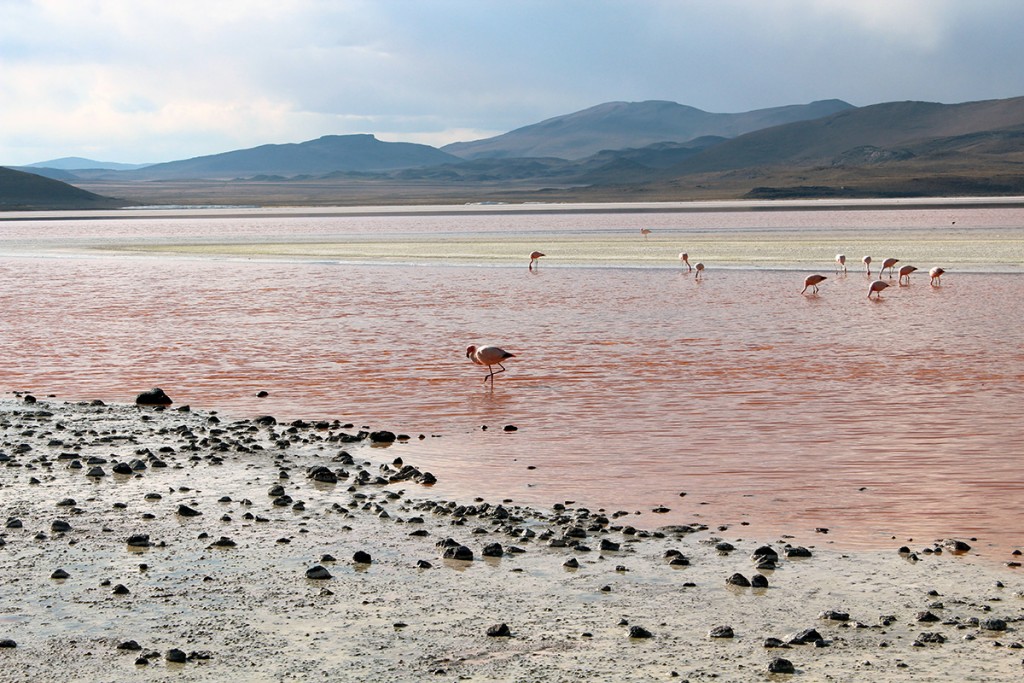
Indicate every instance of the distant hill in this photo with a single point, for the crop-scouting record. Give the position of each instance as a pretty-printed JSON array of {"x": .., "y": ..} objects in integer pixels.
[
  {"x": 20, "y": 191},
  {"x": 80, "y": 163},
  {"x": 621, "y": 125},
  {"x": 331, "y": 153},
  {"x": 894, "y": 131}
]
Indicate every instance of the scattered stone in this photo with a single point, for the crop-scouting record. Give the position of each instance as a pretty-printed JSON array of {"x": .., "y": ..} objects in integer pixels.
[
  {"x": 318, "y": 573},
  {"x": 176, "y": 656},
  {"x": 834, "y": 615},
  {"x": 138, "y": 540},
  {"x": 362, "y": 557},
  {"x": 738, "y": 579},
  {"x": 781, "y": 666},
  {"x": 129, "y": 645},
  {"x": 7, "y": 643},
  {"x": 759, "y": 581},
  {"x": 992, "y": 625},
  {"x": 805, "y": 637},
  {"x": 721, "y": 632},
  {"x": 639, "y": 632},
  {"x": 153, "y": 397},
  {"x": 926, "y": 616},
  {"x": 60, "y": 574},
  {"x": 458, "y": 552},
  {"x": 499, "y": 631},
  {"x": 186, "y": 511}
]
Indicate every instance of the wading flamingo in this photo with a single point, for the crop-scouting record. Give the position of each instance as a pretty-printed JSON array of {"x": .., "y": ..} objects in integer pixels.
[
  {"x": 645, "y": 232},
  {"x": 533, "y": 258},
  {"x": 685, "y": 258},
  {"x": 841, "y": 262},
  {"x": 889, "y": 263},
  {"x": 905, "y": 272},
  {"x": 700, "y": 269},
  {"x": 813, "y": 281},
  {"x": 867, "y": 264},
  {"x": 876, "y": 288},
  {"x": 936, "y": 275},
  {"x": 489, "y": 356}
]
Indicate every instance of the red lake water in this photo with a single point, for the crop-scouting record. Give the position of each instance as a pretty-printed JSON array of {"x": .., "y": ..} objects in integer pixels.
[{"x": 633, "y": 382}]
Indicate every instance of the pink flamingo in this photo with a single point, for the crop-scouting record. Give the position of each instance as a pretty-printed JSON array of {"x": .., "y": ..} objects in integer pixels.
[
  {"x": 685, "y": 258},
  {"x": 935, "y": 274},
  {"x": 841, "y": 262},
  {"x": 700, "y": 269},
  {"x": 645, "y": 232},
  {"x": 876, "y": 288},
  {"x": 813, "y": 281},
  {"x": 867, "y": 264},
  {"x": 489, "y": 356},
  {"x": 905, "y": 272},
  {"x": 889, "y": 263},
  {"x": 533, "y": 258}
]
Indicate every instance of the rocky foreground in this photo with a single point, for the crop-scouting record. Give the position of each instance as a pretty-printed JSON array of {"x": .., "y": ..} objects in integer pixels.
[{"x": 149, "y": 543}]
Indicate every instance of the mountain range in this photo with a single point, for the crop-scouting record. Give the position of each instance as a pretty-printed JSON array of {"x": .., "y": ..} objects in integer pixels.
[{"x": 653, "y": 150}]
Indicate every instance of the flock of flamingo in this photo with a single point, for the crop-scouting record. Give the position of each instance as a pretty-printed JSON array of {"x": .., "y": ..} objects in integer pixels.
[
  {"x": 489, "y": 356},
  {"x": 876, "y": 286}
]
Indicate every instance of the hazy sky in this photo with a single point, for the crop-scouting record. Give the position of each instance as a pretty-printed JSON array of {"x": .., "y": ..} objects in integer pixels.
[{"x": 159, "y": 80}]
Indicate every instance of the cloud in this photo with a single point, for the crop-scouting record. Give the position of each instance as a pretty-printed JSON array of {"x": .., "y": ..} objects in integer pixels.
[{"x": 150, "y": 80}]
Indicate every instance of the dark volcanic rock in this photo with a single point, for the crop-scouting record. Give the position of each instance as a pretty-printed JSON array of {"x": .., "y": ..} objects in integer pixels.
[
  {"x": 639, "y": 632},
  {"x": 382, "y": 436},
  {"x": 499, "y": 631},
  {"x": 318, "y": 573},
  {"x": 781, "y": 666},
  {"x": 186, "y": 511},
  {"x": 176, "y": 656},
  {"x": 458, "y": 552},
  {"x": 738, "y": 579},
  {"x": 153, "y": 397},
  {"x": 7, "y": 642},
  {"x": 361, "y": 557},
  {"x": 805, "y": 637},
  {"x": 759, "y": 581},
  {"x": 721, "y": 632}
]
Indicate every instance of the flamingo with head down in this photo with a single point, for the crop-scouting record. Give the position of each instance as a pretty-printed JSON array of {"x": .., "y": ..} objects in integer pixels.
[
  {"x": 935, "y": 274},
  {"x": 488, "y": 356},
  {"x": 876, "y": 288},
  {"x": 813, "y": 281},
  {"x": 534, "y": 256},
  {"x": 905, "y": 272},
  {"x": 889, "y": 263},
  {"x": 840, "y": 262},
  {"x": 867, "y": 264},
  {"x": 685, "y": 258}
]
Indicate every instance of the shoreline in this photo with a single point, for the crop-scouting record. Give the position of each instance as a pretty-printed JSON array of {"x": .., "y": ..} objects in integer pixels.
[
  {"x": 570, "y": 584},
  {"x": 503, "y": 208}
]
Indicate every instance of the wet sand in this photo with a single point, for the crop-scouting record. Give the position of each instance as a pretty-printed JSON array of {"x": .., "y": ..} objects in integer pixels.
[{"x": 245, "y": 608}]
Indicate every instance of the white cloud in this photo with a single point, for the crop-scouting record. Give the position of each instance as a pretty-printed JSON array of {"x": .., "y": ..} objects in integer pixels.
[{"x": 149, "y": 80}]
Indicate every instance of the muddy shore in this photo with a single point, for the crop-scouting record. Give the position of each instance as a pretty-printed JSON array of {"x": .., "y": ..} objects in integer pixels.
[{"x": 158, "y": 544}]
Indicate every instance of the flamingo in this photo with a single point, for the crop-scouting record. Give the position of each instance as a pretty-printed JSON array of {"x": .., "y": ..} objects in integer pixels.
[
  {"x": 889, "y": 263},
  {"x": 867, "y": 264},
  {"x": 935, "y": 274},
  {"x": 876, "y": 288},
  {"x": 905, "y": 272},
  {"x": 813, "y": 281},
  {"x": 685, "y": 258},
  {"x": 840, "y": 262},
  {"x": 700, "y": 269},
  {"x": 533, "y": 258},
  {"x": 489, "y": 356},
  {"x": 645, "y": 232}
]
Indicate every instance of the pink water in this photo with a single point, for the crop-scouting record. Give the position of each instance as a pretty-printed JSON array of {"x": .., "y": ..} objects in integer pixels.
[{"x": 875, "y": 419}]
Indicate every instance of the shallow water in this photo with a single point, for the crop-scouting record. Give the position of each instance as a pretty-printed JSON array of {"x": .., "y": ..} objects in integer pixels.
[{"x": 633, "y": 382}]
